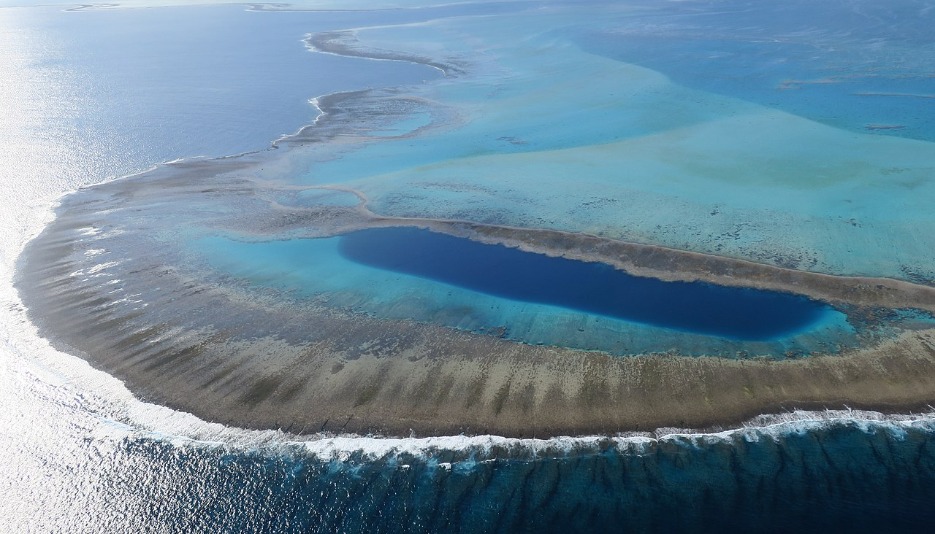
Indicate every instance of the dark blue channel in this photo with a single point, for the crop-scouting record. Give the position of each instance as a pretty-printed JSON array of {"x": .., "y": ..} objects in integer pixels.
[{"x": 594, "y": 288}]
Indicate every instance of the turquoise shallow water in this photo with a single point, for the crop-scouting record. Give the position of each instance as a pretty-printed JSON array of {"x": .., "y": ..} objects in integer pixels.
[
  {"x": 538, "y": 307},
  {"x": 513, "y": 137},
  {"x": 859, "y": 70},
  {"x": 660, "y": 156},
  {"x": 80, "y": 455}
]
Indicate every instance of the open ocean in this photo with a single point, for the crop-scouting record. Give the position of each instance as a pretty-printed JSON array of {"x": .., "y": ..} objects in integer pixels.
[{"x": 92, "y": 95}]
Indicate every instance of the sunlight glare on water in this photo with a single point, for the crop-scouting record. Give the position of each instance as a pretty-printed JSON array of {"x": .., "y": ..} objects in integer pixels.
[{"x": 78, "y": 453}]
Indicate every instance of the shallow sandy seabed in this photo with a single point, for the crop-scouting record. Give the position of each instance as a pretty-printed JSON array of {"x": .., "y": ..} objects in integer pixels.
[
  {"x": 108, "y": 280},
  {"x": 237, "y": 355}
]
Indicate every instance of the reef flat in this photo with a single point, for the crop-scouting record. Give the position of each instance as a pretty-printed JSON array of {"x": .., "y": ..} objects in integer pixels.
[
  {"x": 217, "y": 286},
  {"x": 260, "y": 359}
]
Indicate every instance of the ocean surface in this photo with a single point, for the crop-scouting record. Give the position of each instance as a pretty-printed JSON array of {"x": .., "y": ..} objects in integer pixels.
[{"x": 96, "y": 94}]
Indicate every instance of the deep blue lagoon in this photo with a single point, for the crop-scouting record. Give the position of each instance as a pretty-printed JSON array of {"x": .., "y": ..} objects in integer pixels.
[{"x": 593, "y": 288}]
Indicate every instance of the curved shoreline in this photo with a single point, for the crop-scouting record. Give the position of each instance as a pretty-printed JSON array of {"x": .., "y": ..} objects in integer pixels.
[
  {"x": 254, "y": 363},
  {"x": 342, "y": 43}
]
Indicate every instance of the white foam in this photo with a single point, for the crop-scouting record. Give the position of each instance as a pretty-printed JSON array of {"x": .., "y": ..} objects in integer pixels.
[
  {"x": 186, "y": 429},
  {"x": 109, "y": 411},
  {"x": 101, "y": 266},
  {"x": 319, "y": 113}
]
